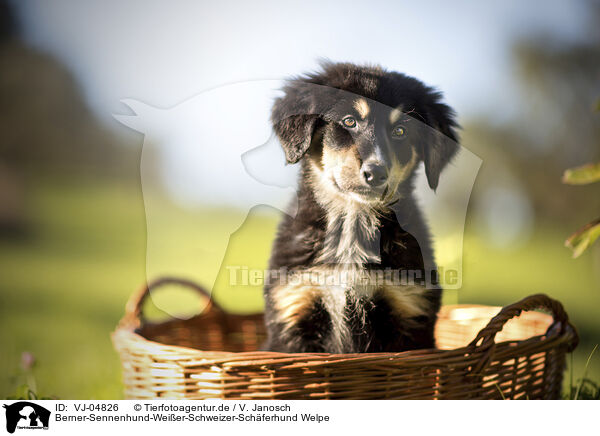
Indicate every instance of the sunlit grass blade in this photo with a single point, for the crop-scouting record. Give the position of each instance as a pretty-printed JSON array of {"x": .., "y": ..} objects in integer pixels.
[{"x": 585, "y": 369}]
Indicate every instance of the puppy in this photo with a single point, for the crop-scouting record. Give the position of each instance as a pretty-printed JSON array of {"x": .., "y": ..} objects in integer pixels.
[{"x": 359, "y": 133}]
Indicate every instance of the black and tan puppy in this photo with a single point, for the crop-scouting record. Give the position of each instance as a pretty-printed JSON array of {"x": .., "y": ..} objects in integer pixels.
[{"x": 359, "y": 133}]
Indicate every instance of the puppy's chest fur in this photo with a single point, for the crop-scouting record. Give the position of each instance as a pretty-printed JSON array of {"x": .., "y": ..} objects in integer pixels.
[{"x": 331, "y": 302}]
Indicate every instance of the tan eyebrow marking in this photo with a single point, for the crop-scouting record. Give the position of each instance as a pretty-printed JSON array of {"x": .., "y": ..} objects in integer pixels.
[
  {"x": 362, "y": 107},
  {"x": 395, "y": 114}
]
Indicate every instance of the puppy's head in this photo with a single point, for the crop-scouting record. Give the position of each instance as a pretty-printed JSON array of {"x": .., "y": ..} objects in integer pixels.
[{"x": 363, "y": 130}]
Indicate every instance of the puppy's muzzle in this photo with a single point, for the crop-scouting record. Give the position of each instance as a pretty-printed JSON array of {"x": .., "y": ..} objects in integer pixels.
[{"x": 374, "y": 174}]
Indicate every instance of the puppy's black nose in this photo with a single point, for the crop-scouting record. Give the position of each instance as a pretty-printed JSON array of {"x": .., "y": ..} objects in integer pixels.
[{"x": 374, "y": 174}]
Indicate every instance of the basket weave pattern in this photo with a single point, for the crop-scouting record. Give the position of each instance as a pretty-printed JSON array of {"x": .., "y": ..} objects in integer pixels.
[{"x": 484, "y": 353}]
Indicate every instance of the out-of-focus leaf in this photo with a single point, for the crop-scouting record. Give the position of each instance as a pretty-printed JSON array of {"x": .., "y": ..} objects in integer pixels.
[
  {"x": 583, "y": 238},
  {"x": 582, "y": 175},
  {"x": 597, "y": 105}
]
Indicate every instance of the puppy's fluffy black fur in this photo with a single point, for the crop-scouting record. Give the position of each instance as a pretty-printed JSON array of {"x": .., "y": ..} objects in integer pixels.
[{"x": 341, "y": 126}]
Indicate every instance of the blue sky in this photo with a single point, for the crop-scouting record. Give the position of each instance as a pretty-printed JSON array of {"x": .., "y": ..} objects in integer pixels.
[{"x": 163, "y": 53}]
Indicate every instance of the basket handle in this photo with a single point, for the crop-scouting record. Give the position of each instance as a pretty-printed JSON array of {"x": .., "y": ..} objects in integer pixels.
[
  {"x": 133, "y": 309},
  {"x": 487, "y": 335}
]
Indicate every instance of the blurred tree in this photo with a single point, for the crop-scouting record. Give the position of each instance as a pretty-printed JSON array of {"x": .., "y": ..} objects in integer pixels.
[
  {"x": 7, "y": 22},
  {"x": 44, "y": 123},
  {"x": 45, "y": 127},
  {"x": 553, "y": 128}
]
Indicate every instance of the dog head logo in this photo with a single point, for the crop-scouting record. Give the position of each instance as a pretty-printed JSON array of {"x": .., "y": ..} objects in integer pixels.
[
  {"x": 229, "y": 147},
  {"x": 26, "y": 415}
]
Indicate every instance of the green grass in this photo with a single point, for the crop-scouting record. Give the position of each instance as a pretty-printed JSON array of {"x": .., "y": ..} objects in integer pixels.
[{"x": 63, "y": 289}]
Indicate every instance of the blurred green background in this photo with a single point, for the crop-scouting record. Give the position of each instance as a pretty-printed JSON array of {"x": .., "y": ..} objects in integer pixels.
[{"x": 72, "y": 222}]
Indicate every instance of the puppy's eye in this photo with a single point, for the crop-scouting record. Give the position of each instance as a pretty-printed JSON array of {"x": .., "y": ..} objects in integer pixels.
[
  {"x": 349, "y": 122},
  {"x": 399, "y": 132}
]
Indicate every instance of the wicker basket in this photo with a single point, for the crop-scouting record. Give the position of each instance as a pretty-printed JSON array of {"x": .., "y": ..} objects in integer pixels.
[{"x": 514, "y": 355}]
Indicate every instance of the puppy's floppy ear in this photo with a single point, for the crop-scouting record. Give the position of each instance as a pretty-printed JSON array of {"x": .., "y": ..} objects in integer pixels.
[
  {"x": 294, "y": 117},
  {"x": 442, "y": 146},
  {"x": 295, "y": 133}
]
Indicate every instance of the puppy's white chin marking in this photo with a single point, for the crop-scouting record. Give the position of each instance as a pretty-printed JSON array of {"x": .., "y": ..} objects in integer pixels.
[{"x": 364, "y": 199}]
